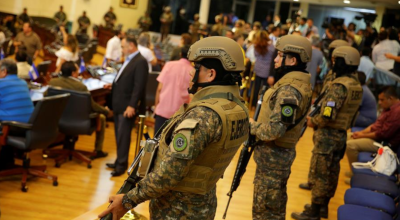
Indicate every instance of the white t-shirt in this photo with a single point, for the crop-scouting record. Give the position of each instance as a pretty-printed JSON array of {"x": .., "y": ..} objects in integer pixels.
[
  {"x": 66, "y": 55},
  {"x": 113, "y": 49},
  {"x": 378, "y": 53},
  {"x": 147, "y": 54}
]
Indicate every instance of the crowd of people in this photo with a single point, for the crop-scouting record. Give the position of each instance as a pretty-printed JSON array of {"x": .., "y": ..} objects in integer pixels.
[{"x": 294, "y": 59}]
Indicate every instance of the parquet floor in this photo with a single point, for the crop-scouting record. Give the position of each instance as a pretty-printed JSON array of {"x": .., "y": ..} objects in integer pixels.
[{"x": 81, "y": 189}]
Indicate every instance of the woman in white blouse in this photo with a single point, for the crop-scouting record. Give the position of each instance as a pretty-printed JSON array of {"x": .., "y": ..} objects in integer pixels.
[{"x": 69, "y": 52}]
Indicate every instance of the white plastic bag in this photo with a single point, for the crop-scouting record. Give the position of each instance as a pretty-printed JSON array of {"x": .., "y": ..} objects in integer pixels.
[{"x": 385, "y": 162}]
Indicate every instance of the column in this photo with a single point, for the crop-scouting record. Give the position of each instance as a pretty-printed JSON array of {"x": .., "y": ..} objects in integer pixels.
[
  {"x": 204, "y": 10},
  {"x": 380, "y": 11},
  {"x": 304, "y": 9},
  {"x": 277, "y": 8},
  {"x": 250, "y": 17}
]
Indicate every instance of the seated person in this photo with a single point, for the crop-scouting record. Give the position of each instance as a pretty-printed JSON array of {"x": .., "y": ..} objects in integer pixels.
[
  {"x": 70, "y": 50},
  {"x": 69, "y": 80},
  {"x": 367, "y": 111},
  {"x": 22, "y": 64},
  {"x": 386, "y": 128},
  {"x": 15, "y": 105}
]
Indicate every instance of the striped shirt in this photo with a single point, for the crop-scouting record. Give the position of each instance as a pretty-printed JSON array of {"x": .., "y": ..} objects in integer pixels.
[{"x": 15, "y": 102}]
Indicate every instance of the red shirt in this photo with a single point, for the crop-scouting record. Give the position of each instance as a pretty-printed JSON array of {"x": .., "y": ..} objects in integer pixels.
[{"x": 387, "y": 127}]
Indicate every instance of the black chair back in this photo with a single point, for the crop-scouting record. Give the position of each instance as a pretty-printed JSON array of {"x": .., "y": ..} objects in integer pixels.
[
  {"x": 75, "y": 119},
  {"x": 44, "y": 120}
]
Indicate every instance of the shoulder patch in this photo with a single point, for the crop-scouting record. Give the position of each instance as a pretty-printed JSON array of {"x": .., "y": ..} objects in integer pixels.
[
  {"x": 287, "y": 110},
  {"x": 331, "y": 104},
  {"x": 180, "y": 142},
  {"x": 327, "y": 112}
]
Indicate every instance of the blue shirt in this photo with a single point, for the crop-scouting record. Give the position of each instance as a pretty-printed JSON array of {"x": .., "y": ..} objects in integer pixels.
[
  {"x": 366, "y": 66},
  {"x": 262, "y": 65},
  {"x": 15, "y": 102},
  {"x": 127, "y": 59}
]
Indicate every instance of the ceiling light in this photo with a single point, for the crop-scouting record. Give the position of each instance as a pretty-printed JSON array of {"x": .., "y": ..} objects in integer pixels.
[
  {"x": 399, "y": 2},
  {"x": 298, "y": 0},
  {"x": 362, "y": 10},
  {"x": 346, "y": 1}
]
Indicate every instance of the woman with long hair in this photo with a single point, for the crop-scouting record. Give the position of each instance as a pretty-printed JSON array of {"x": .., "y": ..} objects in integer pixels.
[
  {"x": 70, "y": 50},
  {"x": 263, "y": 66}
]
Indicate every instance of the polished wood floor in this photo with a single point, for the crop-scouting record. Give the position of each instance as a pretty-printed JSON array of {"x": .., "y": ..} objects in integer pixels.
[{"x": 81, "y": 189}]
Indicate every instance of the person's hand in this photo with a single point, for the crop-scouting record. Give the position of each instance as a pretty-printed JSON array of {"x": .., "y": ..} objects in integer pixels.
[
  {"x": 251, "y": 120},
  {"x": 129, "y": 112},
  {"x": 271, "y": 81},
  {"x": 309, "y": 123},
  {"x": 62, "y": 28},
  {"x": 108, "y": 86},
  {"x": 389, "y": 56},
  {"x": 116, "y": 207},
  {"x": 356, "y": 135}
]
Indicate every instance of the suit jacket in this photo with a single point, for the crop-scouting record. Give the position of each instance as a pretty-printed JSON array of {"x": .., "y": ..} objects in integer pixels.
[
  {"x": 130, "y": 87},
  {"x": 72, "y": 84}
]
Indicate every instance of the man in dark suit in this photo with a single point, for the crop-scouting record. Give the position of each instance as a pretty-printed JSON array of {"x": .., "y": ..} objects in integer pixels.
[
  {"x": 128, "y": 89},
  {"x": 68, "y": 80}
]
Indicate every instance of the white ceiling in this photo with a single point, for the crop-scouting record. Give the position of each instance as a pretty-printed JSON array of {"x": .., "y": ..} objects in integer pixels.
[{"x": 390, "y": 4}]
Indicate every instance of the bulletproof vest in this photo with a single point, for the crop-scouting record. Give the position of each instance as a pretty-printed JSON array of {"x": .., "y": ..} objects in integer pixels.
[
  {"x": 210, "y": 165},
  {"x": 301, "y": 82},
  {"x": 348, "y": 111}
]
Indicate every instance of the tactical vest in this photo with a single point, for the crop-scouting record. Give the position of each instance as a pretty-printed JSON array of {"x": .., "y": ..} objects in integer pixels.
[
  {"x": 210, "y": 165},
  {"x": 301, "y": 82},
  {"x": 349, "y": 109}
]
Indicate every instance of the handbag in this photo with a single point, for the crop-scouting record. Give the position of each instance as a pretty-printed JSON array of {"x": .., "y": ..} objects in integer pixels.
[{"x": 385, "y": 162}]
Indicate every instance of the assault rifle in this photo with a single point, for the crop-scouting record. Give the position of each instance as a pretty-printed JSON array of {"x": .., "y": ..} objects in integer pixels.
[
  {"x": 133, "y": 177},
  {"x": 245, "y": 154},
  {"x": 315, "y": 108}
]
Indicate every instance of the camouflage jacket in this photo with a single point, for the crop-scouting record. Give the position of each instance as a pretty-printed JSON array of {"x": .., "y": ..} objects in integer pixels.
[{"x": 172, "y": 169}]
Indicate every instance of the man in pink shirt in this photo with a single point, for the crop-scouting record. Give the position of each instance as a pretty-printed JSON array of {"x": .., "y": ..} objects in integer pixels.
[{"x": 172, "y": 91}]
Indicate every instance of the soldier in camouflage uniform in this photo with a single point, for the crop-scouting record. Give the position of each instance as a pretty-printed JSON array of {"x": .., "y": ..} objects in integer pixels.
[
  {"x": 279, "y": 126},
  {"x": 339, "y": 106},
  {"x": 198, "y": 142},
  {"x": 332, "y": 46},
  {"x": 326, "y": 83}
]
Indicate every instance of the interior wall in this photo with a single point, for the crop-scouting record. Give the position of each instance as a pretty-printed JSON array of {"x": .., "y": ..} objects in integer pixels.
[
  {"x": 95, "y": 10},
  {"x": 319, "y": 12}
]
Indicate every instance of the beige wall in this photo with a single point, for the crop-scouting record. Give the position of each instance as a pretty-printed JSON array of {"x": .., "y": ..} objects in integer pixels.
[{"x": 95, "y": 10}]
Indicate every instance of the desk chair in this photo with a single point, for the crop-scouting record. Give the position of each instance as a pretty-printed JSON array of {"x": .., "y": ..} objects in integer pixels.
[
  {"x": 40, "y": 132},
  {"x": 77, "y": 119}
]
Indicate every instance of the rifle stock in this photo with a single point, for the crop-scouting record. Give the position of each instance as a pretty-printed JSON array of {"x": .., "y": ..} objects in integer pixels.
[{"x": 245, "y": 155}]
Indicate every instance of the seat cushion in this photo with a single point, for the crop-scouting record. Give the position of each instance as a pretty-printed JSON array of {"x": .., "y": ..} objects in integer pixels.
[
  {"x": 17, "y": 142},
  {"x": 370, "y": 199},
  {"x": 354, "y": 212},
  {"x": 365, "y": 157},
  {"x": 375, "y": 183},
  {"x": 372, "y": 173}
]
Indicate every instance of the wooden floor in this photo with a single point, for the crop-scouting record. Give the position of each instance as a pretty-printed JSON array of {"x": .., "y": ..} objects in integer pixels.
[{"x": 81, "y": 189}]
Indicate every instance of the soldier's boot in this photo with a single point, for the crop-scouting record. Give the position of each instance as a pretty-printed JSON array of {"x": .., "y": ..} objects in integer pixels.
[
  {"x": 311, "y": 214},
  {"x": 323, "y": 211},
  {"x": 306, "y": 186}
]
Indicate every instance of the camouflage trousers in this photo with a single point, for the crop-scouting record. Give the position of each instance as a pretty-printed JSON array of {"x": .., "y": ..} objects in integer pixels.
[
  {"x": 272, "y": 174},
  {"x": 181, "y": 206},
  {"x": 329, "y": 146}
]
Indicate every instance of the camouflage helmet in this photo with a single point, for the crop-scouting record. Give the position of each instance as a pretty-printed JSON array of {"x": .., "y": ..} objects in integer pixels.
[
  {"x": 224, "y": 49},
  {"x": 295, "y": 44},
  {"x": 337, "y": 43},
  {"x": 350, "y": 55}
]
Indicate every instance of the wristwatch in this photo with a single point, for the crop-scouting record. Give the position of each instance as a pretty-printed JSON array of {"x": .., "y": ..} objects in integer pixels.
[{"x": 127, "y": 203}]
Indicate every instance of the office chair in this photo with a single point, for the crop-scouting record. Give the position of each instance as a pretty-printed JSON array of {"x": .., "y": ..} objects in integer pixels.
[
  {"x": 77, "y": 119},
  {"x": 40, "y": 132}
]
